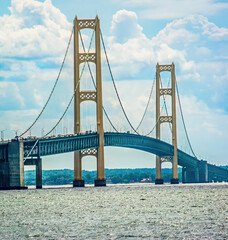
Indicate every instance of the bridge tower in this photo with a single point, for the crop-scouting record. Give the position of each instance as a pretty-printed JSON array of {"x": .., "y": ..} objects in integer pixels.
[
  {"x": 170, "y": 119},
  {"x": 95, "y": 96}
]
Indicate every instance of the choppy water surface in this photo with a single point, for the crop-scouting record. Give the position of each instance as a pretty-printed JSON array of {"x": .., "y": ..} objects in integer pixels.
[{"x": 136, "y": 211}]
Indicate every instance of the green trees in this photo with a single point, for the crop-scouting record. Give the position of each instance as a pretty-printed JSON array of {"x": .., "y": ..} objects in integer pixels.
[{"x": 65, "y": 176}]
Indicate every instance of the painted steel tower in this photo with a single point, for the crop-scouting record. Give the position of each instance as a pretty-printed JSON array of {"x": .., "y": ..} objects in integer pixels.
[
  {"x": 170, "y": 119},
  {"x": 95, "y": 96}
]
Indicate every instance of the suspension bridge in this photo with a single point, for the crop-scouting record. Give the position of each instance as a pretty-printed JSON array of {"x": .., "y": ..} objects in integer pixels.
[{"x": 22, "y": 151}]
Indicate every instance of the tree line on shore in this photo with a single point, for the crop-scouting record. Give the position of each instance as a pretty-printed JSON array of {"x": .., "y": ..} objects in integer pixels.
[{"x": 65, "y": 176}]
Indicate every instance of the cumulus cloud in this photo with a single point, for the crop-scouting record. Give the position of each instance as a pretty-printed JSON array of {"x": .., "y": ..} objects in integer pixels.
[
  {"x": 137, "y": 51},
  {"x": 33, "y": 40},
  {"x": 125, "y": 26},
  {"x": 190, "y": 42},
  {"x": 33, "y": 30}
]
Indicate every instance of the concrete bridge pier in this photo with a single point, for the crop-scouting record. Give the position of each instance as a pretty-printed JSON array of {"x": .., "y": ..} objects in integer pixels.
[
  {"x": 203, "y": 171},
  {"x": 39, "y": 173},
  {"x": 38, "y": 163},
  {"x": 4, "y": 175},
  {"x": 192, "y": 174},
  {"x": 197, "y": 174},
  {"x": 4, "y": 168},
  {"x": 78, "y": 181},
  {"x": 184, "y": 174},
  {"x": 14, "y": 168}
]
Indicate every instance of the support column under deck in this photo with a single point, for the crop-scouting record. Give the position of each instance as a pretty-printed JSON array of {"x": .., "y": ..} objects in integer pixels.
[
  {"x": 78, "y": 182},
  {"x": 39, "y": 173},
  {"x": 183, "y": 174},
  {"x": 158, "y": 179},
  {"x": 4, "y": 175},
  {"x": 203, "y": 171},
  {"x": 16, "y": 165},
  {"x": 192, "y": 175}
]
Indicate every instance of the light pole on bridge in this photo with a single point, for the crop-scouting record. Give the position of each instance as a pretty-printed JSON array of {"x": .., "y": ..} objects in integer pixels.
[
  {"x": 16, "y": 131},
  {"x": 2, "y": 134}
]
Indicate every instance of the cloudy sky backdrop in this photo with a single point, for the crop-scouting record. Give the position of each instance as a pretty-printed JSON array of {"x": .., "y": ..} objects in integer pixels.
[{"x": 138, "y": 34}]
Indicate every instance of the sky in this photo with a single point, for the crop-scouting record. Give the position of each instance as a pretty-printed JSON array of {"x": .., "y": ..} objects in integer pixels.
[{"x": 138, "y": 34}]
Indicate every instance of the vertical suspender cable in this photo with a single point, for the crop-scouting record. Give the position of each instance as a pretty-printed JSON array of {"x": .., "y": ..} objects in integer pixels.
[
  {"x": 116, "y": 88},
  {"x": 83, "y": 68},
  {"x": 83, "y": 46},
  {"x": 182, "y": 117},
  {"x": 144, "y": 114},
  {"x": 69, "y": 101}
]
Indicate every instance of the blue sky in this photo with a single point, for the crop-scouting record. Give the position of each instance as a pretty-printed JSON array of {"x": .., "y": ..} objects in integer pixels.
[{"x": 138, "y": 34}]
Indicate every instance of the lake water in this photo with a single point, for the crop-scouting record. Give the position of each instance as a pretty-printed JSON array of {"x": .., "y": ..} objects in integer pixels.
[{"x": 131, "y": 211}]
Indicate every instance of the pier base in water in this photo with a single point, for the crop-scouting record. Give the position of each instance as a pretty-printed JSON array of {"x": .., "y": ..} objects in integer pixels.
[
  {"x": 159, "y": 181},
  {"x": 78, "y": 183},
  {"x": 100, "y": 183},
  {"x": 13, "y": 188},
  {"x": 174, "y": 181}
]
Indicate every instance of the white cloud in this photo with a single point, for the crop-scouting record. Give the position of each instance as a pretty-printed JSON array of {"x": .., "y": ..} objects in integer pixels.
[
  {"x": 125, "y": 26},
  {"x": 172, "y": 9},
  {"x": 203, "y": 51},
  {"x": 33, "y": 40},
  {"x": 38, "y": 98},
  {"x": 10, "y": 96},
  {"x": 184, "y": 41},
  {"x": 33, "y": 30},
  {"x": 137, "y": 51}
]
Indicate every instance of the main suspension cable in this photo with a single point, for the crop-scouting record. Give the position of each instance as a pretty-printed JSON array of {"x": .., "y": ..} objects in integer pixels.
[
  {"x": 83, "y": 68},
  {"x": 91, "y": 74},
  {"x": 76, "y": 87},
  {"x": 182, "y": 116},
  {"x": 56, "y": 81},
  {"x": 125, "y": 114}
]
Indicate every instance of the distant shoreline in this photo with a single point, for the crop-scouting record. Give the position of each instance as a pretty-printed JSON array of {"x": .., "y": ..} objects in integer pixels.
[{"x": 113, "y": 176}]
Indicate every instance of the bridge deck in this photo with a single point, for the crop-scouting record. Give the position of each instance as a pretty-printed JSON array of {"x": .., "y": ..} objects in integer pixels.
[
  {"x": 71, "y": 143},
  {"x": 63, "y": 144}
]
